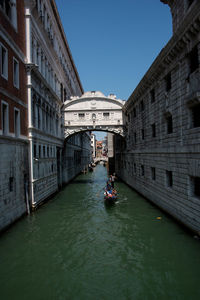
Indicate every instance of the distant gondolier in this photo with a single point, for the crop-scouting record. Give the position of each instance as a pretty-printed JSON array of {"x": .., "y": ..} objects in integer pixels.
[{"x": 112, "y": 179}]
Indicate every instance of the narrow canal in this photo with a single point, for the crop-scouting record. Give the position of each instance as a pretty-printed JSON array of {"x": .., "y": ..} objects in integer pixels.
[{"x": 75, "y": 247}]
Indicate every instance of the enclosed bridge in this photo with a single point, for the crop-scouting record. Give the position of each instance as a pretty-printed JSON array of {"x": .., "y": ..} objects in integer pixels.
[{"x": 93, "y": 111}]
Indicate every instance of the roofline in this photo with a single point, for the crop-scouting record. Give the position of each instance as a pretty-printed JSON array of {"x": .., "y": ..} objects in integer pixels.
[{"x": 57, "y": 17}]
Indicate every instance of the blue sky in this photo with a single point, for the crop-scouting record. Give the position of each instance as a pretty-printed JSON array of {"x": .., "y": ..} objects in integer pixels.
[{"x": 114, "y": 42}]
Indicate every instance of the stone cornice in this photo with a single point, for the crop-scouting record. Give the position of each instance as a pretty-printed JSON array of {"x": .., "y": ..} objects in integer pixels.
[
  {"x": 169, "y": 2},
  {"x": 81, "y": 100}
]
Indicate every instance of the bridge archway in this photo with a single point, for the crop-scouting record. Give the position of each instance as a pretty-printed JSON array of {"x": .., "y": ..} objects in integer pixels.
[{"x": 93, "y": 111}]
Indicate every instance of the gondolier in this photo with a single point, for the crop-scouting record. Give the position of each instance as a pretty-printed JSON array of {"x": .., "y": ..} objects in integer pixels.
[{"x": 112, "y": 180}]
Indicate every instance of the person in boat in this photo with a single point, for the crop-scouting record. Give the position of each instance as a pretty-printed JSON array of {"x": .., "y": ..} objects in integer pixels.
[
  {"x": 112, "y": 179},
  {"x": 108, "y": 185},
  {"x": 114, "y": 192}
]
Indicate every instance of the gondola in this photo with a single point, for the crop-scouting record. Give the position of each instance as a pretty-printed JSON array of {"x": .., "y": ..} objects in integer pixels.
[{"x": 110, "y": 199}]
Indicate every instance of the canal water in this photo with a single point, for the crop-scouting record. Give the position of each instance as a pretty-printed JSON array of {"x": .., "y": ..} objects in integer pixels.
[{"x": 74, "y": 247}]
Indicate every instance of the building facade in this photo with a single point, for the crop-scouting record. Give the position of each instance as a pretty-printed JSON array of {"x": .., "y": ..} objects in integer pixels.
[
  {"x": 93, "y": 145},
  {"x": 37, "y": 75},
  {"x": 52, "y": 78},
  {"x": 161, "y": 155},
  {"x": 77, "y": 155},
  {"x": 14, "y": 173}
]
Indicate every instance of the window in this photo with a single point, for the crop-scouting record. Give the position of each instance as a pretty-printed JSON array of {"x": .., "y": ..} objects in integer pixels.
[
  {"x": 152, "y": 95},
  {"x": 15, "y": 73},
  {"x": 34, "y": 151},
  {"x": 135, "y": 137},
  {"x": 5, "y": 119},
  {"x": 39, "y": 150},
  {"x": 6, "y": 6},
  {"x": 16, "y": 122},
  {"x": 193, "y": 60},
  {"x": 11, "y": 184},
  {"x": 141, "y": 105},
  {"x": 169, "y": 178},
  {"x": 142, "y": 170},
  {"x": 195, "y": 186},
  {"x": 61, "y": 92},
  {"x": 106, "y": 115},
  {"x": 190, "y": 2},
  {"x": 195, "y": 111},
  {"x": 134, "y": 166},
  {"x": 142, "y": 133},
  {"x": 44, "y": 151},
  {"x": 65, "y": 95},
  {"x": 4, "y": 62},
  {"x": 9, "y": 9},
  {"x": 153, "y": 173},
  {"x": 93, "y": 116},
  {"x": 169, "y": 124},
  {"x": 153, "y": 130},
  {"x": 81, "y": 116},
  {"x": 168, "y": 83},
  {"x": 134, "y": 112}
]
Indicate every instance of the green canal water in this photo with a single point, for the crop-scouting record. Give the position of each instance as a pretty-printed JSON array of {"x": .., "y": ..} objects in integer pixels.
[{"x": 74, "y": 247}]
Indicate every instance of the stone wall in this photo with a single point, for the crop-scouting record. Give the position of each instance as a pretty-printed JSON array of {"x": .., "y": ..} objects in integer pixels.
[
  {"x": 76, "y": 156},
  {"x": 14, "y": 178},
  {"x": 162, "y": 155}
]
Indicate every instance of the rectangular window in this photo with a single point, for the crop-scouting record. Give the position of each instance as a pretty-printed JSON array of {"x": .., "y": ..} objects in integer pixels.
[
  {"x": 135, "y": 137},
  {"x": 106, "y": 115},
  {"x": 11, "y": 184},
  {"x": 141, "y": 105},
  {"x": 134, "y": 112},
  {"x": 168, "y": 83},
  {"x": 153, "y": 173},
  {"x": 4, "y": 62},
  {"x": 5, "y": 119},
  {"x": 169, "y": 124},
  {"x": 81, "y": 115},
  {"x": 134, "y": 168},
  {"x": 195, "y": 110},
  {"x": 44, "y": 151},
  {"x": 142, "y": 170},
  {"x": 193, "y": 60},
  {"x": 196, "y": 185},
  {"x": 169, "y": 178},
  {"x": 152, "y": 95},
  {"x": 153, "y": 130},
  {"x": 190, "y": 2},
  {"x": 61, "y": 92},
  {"x": 6, "y": 6},
  {"x": 39, "y": 155},
  {"x": 15, "y": 73},
  {"x": 34, "y": 151},
  {"x": 142, "y": 133},
  {"x": 17, "y": 122}
]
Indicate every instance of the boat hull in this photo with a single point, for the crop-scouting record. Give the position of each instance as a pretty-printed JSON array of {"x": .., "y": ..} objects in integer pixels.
[{"x": 110, "y": 200}]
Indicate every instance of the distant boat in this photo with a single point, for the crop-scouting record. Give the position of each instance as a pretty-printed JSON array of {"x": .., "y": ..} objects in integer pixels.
[{"x": 110, "y": 197}]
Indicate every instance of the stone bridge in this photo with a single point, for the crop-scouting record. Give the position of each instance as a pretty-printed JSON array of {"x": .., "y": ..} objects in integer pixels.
[{"x": 93, "y": 111}]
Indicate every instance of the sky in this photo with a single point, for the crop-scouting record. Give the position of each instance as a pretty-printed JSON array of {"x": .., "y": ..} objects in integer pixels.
[{"x": 114, "y": 42}]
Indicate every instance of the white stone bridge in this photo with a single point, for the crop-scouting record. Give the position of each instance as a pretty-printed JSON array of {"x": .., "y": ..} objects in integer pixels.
[{"x": 93, "y": 111}]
